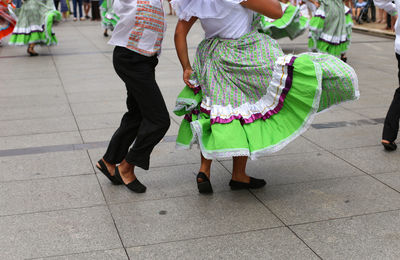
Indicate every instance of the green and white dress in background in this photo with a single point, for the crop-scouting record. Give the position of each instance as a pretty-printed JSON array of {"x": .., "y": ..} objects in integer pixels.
[
  {"x": 35, "y": 23},
  {"x": 331, "y": 28},
  {"x": 251, "y": 99},
  {"x": 291, "y": 24},
  {"x": 108, "y": 18}
]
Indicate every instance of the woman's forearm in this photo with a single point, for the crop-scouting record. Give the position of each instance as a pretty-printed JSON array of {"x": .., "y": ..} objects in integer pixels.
[
  {"x": 270, "y": 8},
  {"x": 182, "y": 50},
  {"x": 181, "y": 32}
]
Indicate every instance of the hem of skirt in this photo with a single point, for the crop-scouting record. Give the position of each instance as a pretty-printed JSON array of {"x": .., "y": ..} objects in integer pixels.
[{"x": 271, "y": 24}]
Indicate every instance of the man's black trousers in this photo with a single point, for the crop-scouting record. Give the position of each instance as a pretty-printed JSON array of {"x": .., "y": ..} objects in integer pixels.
[{"x": 147, "y": 119}]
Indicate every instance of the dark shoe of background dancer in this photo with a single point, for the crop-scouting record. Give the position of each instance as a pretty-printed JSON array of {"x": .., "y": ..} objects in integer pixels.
[{"x": 147, "y": 119}]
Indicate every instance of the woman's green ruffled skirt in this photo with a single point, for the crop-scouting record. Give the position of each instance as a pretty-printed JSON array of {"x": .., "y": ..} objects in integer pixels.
[
  {"x": 253, "y": 100},
  {"x": 330, "y": 29},
  {"x": 291, "y": 24},
  {"x": 35, "y": 23}
]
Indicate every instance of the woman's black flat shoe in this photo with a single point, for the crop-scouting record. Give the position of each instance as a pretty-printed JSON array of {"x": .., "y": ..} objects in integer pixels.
[
  {"x": 135, "y": 186},
  {"x": 32, "y": 53},
  {"x": 204, "y": 186},
  {"x": 253, "y": 184},
  {"x": 104, "y": 170},
  {"x": 390, "y": 146}
]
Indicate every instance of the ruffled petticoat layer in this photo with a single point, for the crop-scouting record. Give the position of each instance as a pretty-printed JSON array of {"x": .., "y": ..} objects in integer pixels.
[
  {"x": 253, "y": 100},
  {"x": 330, "y": 29},
  {"x": 7, "y": 21},
  {"x": 291, "y": 24},
  {"x": 35, "y": 23},
  {"x": 108, "y": 18}
]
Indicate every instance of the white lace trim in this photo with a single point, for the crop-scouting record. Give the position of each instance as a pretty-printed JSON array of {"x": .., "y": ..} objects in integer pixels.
[
  {"x": 267, "y": 103},
  {"x": 27, "y": 30},
  {"x": 182, "y": 103},
  {"x": 216, "y": 154},
  {"x": 320, "y": 12}
]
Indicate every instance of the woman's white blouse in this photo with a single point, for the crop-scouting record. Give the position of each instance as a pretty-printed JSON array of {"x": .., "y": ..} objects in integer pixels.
[{"x": 225, "y": 19}]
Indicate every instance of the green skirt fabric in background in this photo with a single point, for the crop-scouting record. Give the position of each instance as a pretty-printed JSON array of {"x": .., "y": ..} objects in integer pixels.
[
  {"x": 253, "y": 100},
  {"x": 331, "y": 28},
  {"x": 35, "y": 23},
  {"x": 108, "y": 18},
  {"x": 291, "y": 24}
]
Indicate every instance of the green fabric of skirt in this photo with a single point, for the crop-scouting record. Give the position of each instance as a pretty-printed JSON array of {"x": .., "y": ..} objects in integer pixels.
[
  {"x": 331, "y": 28},
  {"x": 291, "y": 24},
  {"x": 35, "y": 23},
  {"x": 253, "y": 100},
  {"x": 108, "y": 18}
]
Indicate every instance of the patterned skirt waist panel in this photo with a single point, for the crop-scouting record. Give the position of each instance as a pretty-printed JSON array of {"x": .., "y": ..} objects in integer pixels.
[{"x": 235, "y": 72}]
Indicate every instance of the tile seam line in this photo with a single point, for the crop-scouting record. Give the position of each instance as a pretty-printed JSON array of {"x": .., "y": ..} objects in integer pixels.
[
  {"x": 108, "y": 207},
  {"x": 46, "y": 178},
  {"x": 66, "y": 95},
  {"x": 72, "y": 254},
  {"x": 55, "y": 210},
  {"x": 210, "y": 236},
  {"x": 345, "y": 217},
  {"x": 279, "y": 219},
  {"x": 355, "y": 166}
]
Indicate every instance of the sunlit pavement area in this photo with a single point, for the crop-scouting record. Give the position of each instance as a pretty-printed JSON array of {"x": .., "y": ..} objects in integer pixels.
[{"x": 333, "y": 193}]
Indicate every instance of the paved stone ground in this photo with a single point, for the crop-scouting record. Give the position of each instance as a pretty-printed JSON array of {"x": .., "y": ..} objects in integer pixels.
[{"x": 332, "y": 194}]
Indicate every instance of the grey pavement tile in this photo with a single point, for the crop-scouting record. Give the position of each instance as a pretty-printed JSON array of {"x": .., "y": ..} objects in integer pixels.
[
  {"x": 345, "y": 137},
  {"x": 375, "y": 236},
  {"x": 373, "y": 112},
  {"x": 196, "y": 216},
  {"x": 29, "y": 112},
  {"x": 114, "y": 95},
  {"x": 57, "y": 233},
  {"x": 37, "y": 126},
  {"x": 114, "y": 254},
  {"x": 38, "y": 140},
  {"x": 327, "y": 199},
  {"x": 164, "y": 154},
  {"x": 27, "y": 75},
  {"x": 370, "y": 101},
  {"x": 93, "y": 108},
  {"x": 31, "y": 91},
  {"x": 38, "y": 166},
  {"x": 390, "y": 179},
  {"x": 105, "y": 134},
  {"x": 165, "y": 182},
  {"x": 299, "y": 145},
  {"x": 98, "y": 135},
  {"x": 89, "y": 73},
  {"x": 337, "y": 114},
  {"x": 49, "y": 194},
  {"x": 296, "y": 168},
  {"x": 99, "y": 121},
  {"x": 32, "y": 83},
  {"x": 84, "y": 84},
  {"x": 33, "y": 100},
  {"x": 277, "y": 243},
  {"x": 371, "y": 159}
]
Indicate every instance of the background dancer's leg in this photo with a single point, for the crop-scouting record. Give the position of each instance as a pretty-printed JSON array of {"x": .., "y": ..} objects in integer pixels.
[
  {"x": 391, "y": 126},
  {"x": 205, "y": 167}
]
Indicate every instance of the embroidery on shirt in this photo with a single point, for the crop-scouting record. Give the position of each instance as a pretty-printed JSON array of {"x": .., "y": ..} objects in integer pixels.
[{"x": 147, "y": 34}]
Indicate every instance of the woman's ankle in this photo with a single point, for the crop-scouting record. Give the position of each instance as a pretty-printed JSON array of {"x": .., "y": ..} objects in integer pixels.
[{"x": 240, "y": 177}]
